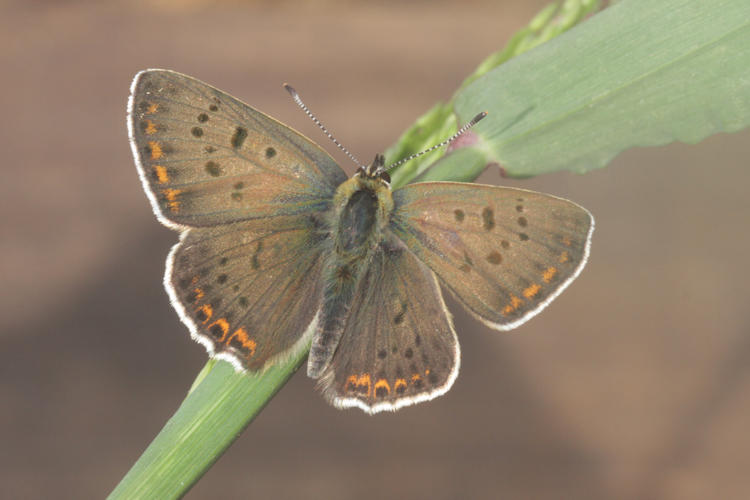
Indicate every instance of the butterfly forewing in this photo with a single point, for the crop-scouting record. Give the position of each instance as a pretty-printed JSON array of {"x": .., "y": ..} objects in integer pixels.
[
  {"x": 207, "y": 158},
  {"x": 248, "y": 290},
  {"x": 504, "y": 253},
  {"x": 398, "y": 346}
]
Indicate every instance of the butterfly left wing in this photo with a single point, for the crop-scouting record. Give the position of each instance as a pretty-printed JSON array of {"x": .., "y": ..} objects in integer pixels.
[
  {"x": 249, "y": 196},
  {"x": 207, "y": 158},
  {"x": 248, "y": 291},
  {"x": 504, "y": 253},
  {"x": 398, "y": 346}
]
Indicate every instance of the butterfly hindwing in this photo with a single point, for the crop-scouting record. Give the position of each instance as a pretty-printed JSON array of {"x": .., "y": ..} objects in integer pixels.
[
  {"x": 248, "y": 290},
  {"x": 398, "y": 346},
  {"x": 504, "y": 253},
  {"x": 207, "y": 158}
]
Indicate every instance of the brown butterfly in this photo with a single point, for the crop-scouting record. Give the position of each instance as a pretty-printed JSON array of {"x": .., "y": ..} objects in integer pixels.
[{"x": 279, "y": 250}]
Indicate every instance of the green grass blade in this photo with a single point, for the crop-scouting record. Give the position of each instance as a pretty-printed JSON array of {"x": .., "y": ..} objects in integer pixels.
[
  {"x": 640, "y": 73},
  {"x": 221, "y": 403}
]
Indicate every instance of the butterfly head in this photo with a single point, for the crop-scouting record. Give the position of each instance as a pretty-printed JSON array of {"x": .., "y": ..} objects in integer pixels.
[{"x": 376, "y": 169}]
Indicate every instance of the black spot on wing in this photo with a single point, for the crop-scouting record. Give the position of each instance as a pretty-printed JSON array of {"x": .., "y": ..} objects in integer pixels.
[
  {"x": 238, "y": 138},
  {"x": 488, "y": 218}
]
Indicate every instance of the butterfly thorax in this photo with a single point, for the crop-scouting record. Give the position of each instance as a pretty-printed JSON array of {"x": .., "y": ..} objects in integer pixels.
[
  {"x": 361, "y": 208},
  {"x": 360, "y": 213}
]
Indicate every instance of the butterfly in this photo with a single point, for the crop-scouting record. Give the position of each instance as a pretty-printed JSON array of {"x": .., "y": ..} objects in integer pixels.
[{"x": 280, "y": 250}]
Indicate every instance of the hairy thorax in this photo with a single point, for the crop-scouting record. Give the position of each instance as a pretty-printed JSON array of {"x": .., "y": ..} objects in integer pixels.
[{"x": 361, "y": 209}]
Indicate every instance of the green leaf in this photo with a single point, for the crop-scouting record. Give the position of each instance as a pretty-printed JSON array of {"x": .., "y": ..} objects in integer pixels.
[
  {"x": 439, "y": 123},
  {"x": 641, "y": 73},
  {"x": 461, "y": 165},
  {"x": 429, "y": 129}
]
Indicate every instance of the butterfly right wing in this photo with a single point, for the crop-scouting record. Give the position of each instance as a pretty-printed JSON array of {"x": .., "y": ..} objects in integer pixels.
[
  {"x": 504, "y": 253},
  {"x": 206, "y": 158},
  {"x": 248, "y": 291}
]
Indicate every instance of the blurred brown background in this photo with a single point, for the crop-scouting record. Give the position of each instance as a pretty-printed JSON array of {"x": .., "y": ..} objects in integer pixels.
[{"x": 634, "y": 384}]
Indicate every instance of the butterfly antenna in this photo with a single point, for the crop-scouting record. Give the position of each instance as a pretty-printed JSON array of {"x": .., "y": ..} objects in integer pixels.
[
  {"x": 452, "y": 138},
  {"x": 307, "y": 111}
]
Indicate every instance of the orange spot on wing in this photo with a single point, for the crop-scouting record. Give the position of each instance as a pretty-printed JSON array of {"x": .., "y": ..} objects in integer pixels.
[
  {"x": 531, "y": 291},
  {"x": 198, "y": 294},
  {"x": 359, "y": 384},
  {"x": 150, "y": 127},
  {"x": 563, "y": 258},
  {"x": 156, "y": 151},
  {"x": 161, "y": 174},
  {"x": 152, "y": 108},
  {"x": 515, "y": 303},
  {"x": 171, "y": 196},
  {"x": 427, "y": 372},
  {"x": 207, "y": 311},
  {"x": 223, "y": 324},
  {"x": 363, "y": 384},
  {"x": 549, "y": 273},
  {"x": 400, "y": 385},
  {"x": 382, "y": 384},
  {"x": 248, "y": 343},
  {"x": 416, "y": 377}
]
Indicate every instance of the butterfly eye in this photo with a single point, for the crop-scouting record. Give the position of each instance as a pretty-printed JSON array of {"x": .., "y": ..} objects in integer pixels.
[{"x": 385, "y": 176}]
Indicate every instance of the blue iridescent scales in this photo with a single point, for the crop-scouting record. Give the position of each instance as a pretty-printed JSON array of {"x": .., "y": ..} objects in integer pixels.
[{"x": 279, "y": 250}]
